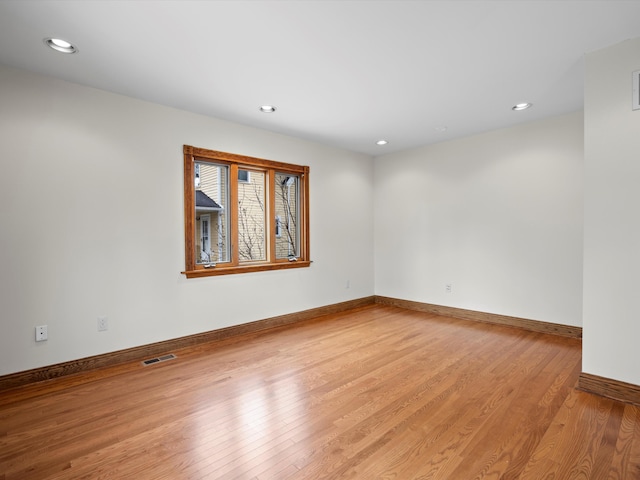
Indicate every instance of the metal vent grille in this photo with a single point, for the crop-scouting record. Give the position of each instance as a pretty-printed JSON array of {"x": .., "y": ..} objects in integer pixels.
[{"x": 163, "y": 358}]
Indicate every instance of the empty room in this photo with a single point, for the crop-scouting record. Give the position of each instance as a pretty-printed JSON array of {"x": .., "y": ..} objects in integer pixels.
[{"x": 319, "y": 239}]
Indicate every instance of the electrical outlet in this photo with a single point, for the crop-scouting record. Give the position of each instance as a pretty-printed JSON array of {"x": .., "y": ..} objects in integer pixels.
[
  {"x": 41, "y": 333},
  {"x": 103, "y": 324},
  {"x": 448, "y": 288},
  {"x": 348, "y": 285}
]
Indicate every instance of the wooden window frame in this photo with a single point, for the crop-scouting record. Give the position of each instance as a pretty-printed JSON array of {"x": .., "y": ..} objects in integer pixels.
[{"x": 192, "y": 155}]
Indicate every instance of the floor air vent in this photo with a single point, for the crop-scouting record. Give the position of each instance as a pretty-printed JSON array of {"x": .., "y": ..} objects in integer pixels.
[{"x": 163, "y": 358}]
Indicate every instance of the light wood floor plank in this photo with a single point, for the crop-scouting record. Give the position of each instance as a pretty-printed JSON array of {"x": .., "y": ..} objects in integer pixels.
[{"x": 376, "y": 392}]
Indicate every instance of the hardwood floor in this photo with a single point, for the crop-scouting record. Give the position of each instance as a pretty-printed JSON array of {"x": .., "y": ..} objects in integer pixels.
[{"x": 374, "y": 393}]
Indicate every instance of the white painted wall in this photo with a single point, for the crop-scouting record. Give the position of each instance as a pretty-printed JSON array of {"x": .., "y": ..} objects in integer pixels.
[
  {"x": 612, "y": 215},
  {"x": 91, "y": 218},
  {"x": 498, "y": 216}
]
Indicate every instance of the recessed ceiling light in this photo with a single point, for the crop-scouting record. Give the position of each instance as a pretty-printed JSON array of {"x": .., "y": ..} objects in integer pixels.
[
  {"x": 267, "y": 109},
  {"x": 382, "y": 142},
  {"x": 521, "y": 106},
  {"x": 60, "y": 45}
]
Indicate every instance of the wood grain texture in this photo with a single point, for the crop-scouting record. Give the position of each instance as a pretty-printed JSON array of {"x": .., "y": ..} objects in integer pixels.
[
  {"x": 234, "y": 265},
  {"x": 214, "y": 155},
  {"x": 532, "y": 325},
  {"x": 146, "y": 351},
  {"x": 239, "y": 269},
  {"x": 189, "y": 208},
  {"x": 607, "y": 387},
  {"x": 373, "y": 393}
]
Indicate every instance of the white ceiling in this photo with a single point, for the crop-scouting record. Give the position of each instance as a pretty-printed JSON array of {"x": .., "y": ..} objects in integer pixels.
[{"x": 344, "y": 73}]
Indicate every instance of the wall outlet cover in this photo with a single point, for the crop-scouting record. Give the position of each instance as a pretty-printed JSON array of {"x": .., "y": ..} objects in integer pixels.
[
  {"x": 103, "y": 324},
  {"x": 42, "y": 333}
]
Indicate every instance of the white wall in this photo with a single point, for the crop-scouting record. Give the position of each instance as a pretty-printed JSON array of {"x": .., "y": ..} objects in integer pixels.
[
  {"x": 497, "y": 215},
  {"x": 612, "y": 215},
  {"x": 91, "y": 212}
]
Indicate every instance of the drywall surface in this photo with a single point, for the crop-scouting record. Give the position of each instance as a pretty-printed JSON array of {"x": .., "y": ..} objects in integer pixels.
[
  {"x": 612, "y": 215},
  {"x": 496, "y": 216},
  {"x": 91, "y": 211}
]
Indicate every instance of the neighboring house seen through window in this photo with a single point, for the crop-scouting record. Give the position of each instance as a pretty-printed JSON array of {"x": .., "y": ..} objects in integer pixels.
[{"x": 257, "y": 222}]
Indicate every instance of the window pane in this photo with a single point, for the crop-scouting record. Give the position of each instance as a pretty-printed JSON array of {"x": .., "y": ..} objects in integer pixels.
[
  {"x": 286, "y": 215},
  {"x": 252, "y": 245},
  {"x": 212, "y": 216},
  {"x": 244, "y": 176}
]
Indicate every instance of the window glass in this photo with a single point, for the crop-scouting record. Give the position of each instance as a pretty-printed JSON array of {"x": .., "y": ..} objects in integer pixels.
[
  {"x": 286, "y": 210},
  {"x": 212, "y": 214},
  {"x": 252, "y": 240}
]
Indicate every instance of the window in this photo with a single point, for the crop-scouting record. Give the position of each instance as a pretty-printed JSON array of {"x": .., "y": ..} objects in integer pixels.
[
  {"x": 257, "y": 221},
  {"x": 244, "y": 176},
  {"x": 197, "y": 175},
  {"x": 205, "y": 241}
]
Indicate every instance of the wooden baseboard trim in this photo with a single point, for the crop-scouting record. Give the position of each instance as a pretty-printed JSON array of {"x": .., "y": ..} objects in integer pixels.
[
  {"x": 606, "y": 387},
  {"x": 155, "y": 349},
  {"x": 531, "y": 325}
]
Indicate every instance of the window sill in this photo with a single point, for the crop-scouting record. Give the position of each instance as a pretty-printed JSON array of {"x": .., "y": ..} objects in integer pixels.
[{"x": 222, "y": 270}]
